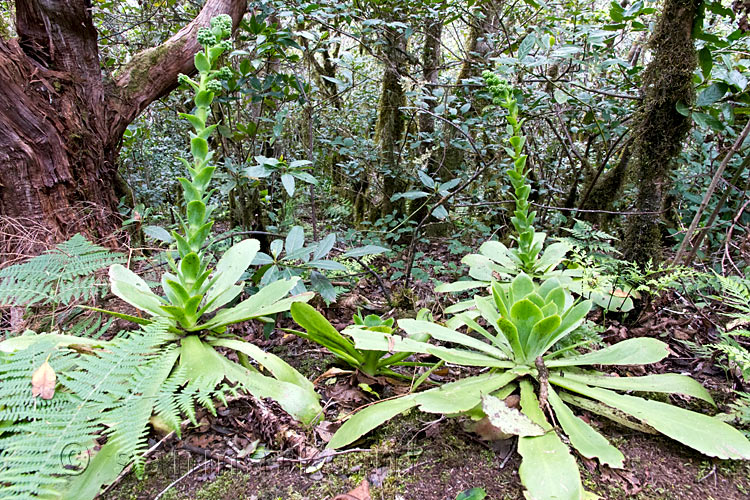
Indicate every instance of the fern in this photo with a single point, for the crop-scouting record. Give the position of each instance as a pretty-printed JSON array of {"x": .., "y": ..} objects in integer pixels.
[
  {"x": 736, "y": 294},
  {"x": 588, "y": 240},
  {"x": 101, "y": 388},
  {"x": 62, "y": 275}
]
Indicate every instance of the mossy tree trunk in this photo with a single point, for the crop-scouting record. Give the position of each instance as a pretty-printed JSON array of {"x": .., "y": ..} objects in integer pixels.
[
  {"x": 659, "y": 130},
  {"x": 391, "y": 123},
  {"x": 433, "y": 31},
  {"x": 61, "y": 122}
]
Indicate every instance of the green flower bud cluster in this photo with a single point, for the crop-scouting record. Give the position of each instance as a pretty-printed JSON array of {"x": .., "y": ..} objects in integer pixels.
[
  {"x": 224, "y": 73},
  {"x": 221, "y": 26},
  {"x": 523, "y": 220},
  {"x": 214, "y": 86},
  {"x": 205, "y": 37},
  {"x": 188, "y": 283},
  {"x": 498, "y": 87}
]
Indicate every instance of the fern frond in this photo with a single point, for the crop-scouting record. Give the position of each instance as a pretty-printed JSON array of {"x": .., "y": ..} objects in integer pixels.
[
  {"x": 46, "y": 438},
  {"x": 62, "y": 275}
]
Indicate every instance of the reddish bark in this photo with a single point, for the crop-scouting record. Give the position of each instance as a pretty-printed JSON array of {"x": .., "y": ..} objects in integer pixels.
[{"x": 61, "y": 122}]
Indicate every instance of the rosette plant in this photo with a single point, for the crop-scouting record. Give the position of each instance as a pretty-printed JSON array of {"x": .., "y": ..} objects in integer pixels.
[
  {"x": 370, "y": 362},
  {"x": 497, "y": 261},
  {"x": 197, "y": 291},
  {"x": 93, "y": 388},
  {"x": 525, "y": 321}
]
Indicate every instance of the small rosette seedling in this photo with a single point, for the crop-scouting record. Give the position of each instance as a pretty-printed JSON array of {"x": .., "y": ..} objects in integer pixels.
[{"x": 370, "y": 362}]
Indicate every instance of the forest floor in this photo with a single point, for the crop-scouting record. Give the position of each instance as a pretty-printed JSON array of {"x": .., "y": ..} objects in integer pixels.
[{"x": 426, "y": 456}]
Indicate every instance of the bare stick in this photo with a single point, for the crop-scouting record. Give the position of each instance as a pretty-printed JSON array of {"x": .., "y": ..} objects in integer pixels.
[{"x": 169, "y": 487}]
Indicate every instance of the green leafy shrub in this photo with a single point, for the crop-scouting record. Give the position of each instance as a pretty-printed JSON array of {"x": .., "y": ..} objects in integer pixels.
[{"x": 291, "y": 258}]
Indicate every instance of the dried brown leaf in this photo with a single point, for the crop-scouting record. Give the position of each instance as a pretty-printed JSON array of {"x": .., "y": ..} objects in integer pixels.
[{"x": 43, "y": 381}]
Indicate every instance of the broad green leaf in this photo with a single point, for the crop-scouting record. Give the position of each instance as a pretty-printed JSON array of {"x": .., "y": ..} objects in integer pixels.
[
  {"x": 526, "y": 45},
  {"x": 480, "y": 267},
  {"x": 521, "y": 286},
  {"x": 510, "y": 332},
  {"x": 295, "y": 239},
  {"x": 299, "y": 402},
  {"x": 553, "y": 255},
  {"x": 190, "y": 266},
  {"x": 541, "y": 332},
  {"x": 638, "y": 351},
  {"x": 530, "y": 405},
  {"x": 459, "y": 306},
  {"x": 320, "y": 330},
  {"x": 259, "y": 304},
  {"x": 323, "y": 286},
  {"x": 199, "y": 147},
  {"x": 413, "y": 327},
  {"x": 468, "y": 358},
  {"x": 502, "y": 300},
  {"x": 324, "y": 247},
  {"x": 571, "y": 320},
  {"x": 274, "y": 364},
  {"x": 133, "y": 289},
  {"x": 287, "y": 181},
  {"x": 368, "y": 419},
  {"x": 707, "y": 121},
  {"x": 365, "y": 250},
  {"x": 712, "y": 94},
  {"x": 201, "y": 62},
  {"x": 706, "y": 434},
  {"x": 509, "y": 420},
  {"x": 525, "y": 314},
  {"x": 200, "y": 360},
  {"x": 583, "y": 437},
  {"x": 548, "y": 471},
  {"x": 498, "y": 341},
  {"x": 327, "y": 265},
  {"x": 230, "y": 267},
  {"x": 462, "y": 395},
  {"x": 196, "y": 212},
  {"x": 667, "y": 382},
  {"x": 158, "y": 233}
]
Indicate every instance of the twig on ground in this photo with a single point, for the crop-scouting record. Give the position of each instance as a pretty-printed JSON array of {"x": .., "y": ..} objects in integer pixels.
[{"x": 173, "y": 483}]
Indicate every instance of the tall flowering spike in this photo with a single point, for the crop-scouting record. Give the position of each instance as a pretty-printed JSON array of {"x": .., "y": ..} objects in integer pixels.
[{"x": 523, "y": 221}]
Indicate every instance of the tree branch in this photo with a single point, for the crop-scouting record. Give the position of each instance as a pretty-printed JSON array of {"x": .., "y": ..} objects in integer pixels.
[{"x": 151, "y": 74}]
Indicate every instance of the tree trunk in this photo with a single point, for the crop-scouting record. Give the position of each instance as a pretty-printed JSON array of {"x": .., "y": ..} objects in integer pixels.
[
  {"x": 61, "y": 122},
  {"x": 390, "y": 127},
  {"x": 660, "y": 130},
  {"x": 430, "y": 71}
]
